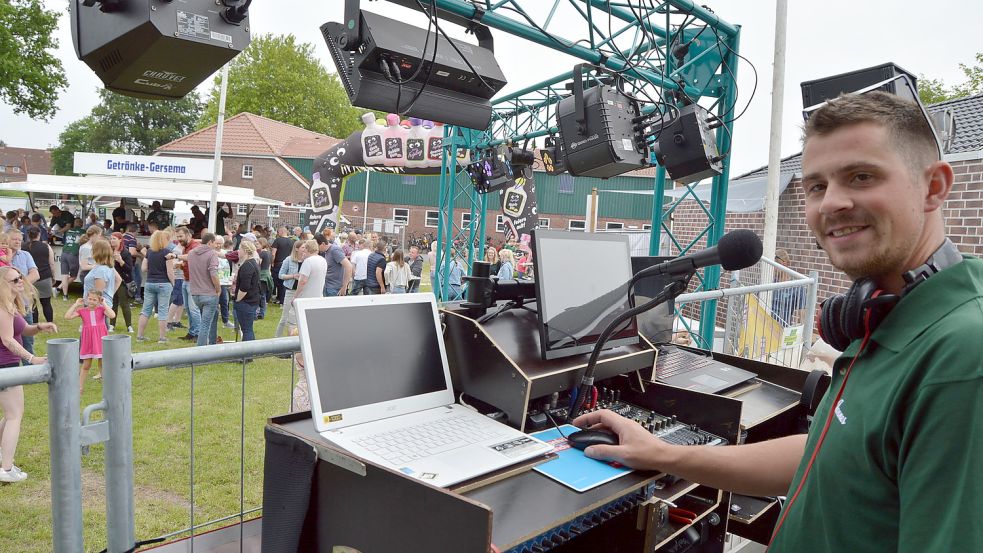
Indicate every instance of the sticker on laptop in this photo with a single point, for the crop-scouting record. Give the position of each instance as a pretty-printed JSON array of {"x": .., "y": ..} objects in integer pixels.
[
  {"x": 332, "y": 418},
  {"x": 516, "y": 447}
]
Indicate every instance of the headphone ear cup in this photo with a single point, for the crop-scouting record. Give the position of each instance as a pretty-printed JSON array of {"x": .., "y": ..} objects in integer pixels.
[
  {"x": 830, "y": 327},
  {"x": 854, "y": 310}
]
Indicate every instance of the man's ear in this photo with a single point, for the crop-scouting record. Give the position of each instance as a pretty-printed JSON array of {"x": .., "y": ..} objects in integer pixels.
[{"x": 940, "y": 178}]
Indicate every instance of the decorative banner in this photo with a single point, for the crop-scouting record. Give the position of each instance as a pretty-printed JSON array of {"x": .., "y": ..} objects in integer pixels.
[{"x": 403, "y": 148}]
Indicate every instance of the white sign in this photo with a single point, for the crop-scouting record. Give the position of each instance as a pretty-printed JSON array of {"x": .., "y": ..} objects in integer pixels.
[{"x": 121, "y": 165}]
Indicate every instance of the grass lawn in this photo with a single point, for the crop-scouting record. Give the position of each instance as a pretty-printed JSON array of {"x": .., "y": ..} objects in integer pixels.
[{"x": 162, "y": 405}]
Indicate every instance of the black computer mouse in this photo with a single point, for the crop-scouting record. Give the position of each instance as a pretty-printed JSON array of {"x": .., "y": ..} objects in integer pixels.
[{"x": 586, "y": 438}]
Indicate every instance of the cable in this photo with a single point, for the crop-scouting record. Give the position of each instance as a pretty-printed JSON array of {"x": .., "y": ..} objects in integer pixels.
[{"x": 436, "y": 22}]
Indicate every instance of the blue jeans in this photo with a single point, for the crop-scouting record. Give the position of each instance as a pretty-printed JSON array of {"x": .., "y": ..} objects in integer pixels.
[
  {"x": 138, "y": 278},
  {"x": 28, "y": 340},
  {"x": 414, "y": 286},
  {"x": 369, "y": 291},
  {"x": 209, "y": 319},
  {"x": 194, "y": 314},
  {"x": 156, "y": 294},
  {"x": 397, "y": 290},
  {"x": 357, "y": 287},
  {"x": 223, "y": 302},
  {"x": 330, "y": 292},
  {"x": 245, "y": 316}
]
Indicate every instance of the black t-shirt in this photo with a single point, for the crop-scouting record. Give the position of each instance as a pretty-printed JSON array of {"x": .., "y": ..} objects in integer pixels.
[
  {"x": 119, "y": 219},
  {"x": 283, "y": 246},
  {"x": 376, "y": 259},
  {"x": 265, "y": 260},
  {"x": 39, "y": 251},
  {"x": 247, "y": 281}
]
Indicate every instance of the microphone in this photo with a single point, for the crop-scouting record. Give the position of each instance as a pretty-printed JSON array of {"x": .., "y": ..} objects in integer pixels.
[{"x": 735, "y": 250}]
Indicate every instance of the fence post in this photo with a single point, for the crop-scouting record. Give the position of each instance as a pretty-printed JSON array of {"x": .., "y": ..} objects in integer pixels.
[
  {"x": 809, "y": 322},
  {"x": 117, "y": 370},
  {"x": 64, "y": 430}
]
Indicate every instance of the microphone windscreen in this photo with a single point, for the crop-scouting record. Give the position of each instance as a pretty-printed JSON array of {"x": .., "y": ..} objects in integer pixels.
[{"x": 739, "y": 249}]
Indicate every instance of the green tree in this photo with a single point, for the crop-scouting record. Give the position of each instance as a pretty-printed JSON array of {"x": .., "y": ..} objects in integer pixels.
[
  {"x": 279, "y": 78},
  {"x": 77, "y": 137},
  {"x": 30, "y": 76},
  {"x": 126, "y": 125},
  {"x": 933, "y": 91},
  {"x": 123, "y": 125}
]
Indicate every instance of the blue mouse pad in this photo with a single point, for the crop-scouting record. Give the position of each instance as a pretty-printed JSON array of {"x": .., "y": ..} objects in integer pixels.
[{"x": 571, "y": 467}]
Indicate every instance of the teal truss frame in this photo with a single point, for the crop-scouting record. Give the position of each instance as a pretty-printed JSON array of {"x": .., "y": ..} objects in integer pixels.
[{"x": 670, "y": 52}]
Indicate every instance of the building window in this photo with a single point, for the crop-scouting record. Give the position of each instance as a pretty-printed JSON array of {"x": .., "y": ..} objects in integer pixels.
[
  {"x": 433, "y": 217},
  {"x": 409, "y": 180},
  {"x": 242, "y": 209},
  {"x": 566, "y": 183},
  {"x": 3, "y": 168},
  {"x": 577, "y": 225},
  {"x": 16, "y": 169},
  {"x": 544, "y": 222},
  {"x": 272, "y": 211},
  {"x": 465, "y": 220},
  {"x": 401, "y": 215},
  {"x": 500, "y": 223},
  {"x": 646, "y": 227},
  {"x": 247, "y": 171},
  {"x": 612, "y": 225}
]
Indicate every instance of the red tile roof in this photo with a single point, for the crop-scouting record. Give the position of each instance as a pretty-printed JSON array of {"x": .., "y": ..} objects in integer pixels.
[
  {"x": 250, "y": 134},
  {"x": 32, "y": 160}
]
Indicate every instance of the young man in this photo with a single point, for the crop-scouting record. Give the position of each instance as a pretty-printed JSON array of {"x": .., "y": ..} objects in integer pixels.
[
  {"x": 203, "y": 283},
  {"x": 903, "y": 430},
  {"x": 375, "y": 266},
  {"x": 416, "y": 268},
  {"x": 339, "y": 274},
  {"x": 282, "y": 247},
  {"x": 70, "y": 256},
  {"x": 360, "y": 260},
  {"x": 187, "y": 243}
]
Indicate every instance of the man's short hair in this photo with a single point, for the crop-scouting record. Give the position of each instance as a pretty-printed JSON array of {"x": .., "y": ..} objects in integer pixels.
[
  {"x": 321, "y": 239},
  {"x": 36, "y": 218},
  {"x": 33, "y": 233},
  {"x": 207, "y": 237},
  {"x": 132, "y": 227},
  {"x": 904, "y": 120},
  {"x": 53, "y": 209}
]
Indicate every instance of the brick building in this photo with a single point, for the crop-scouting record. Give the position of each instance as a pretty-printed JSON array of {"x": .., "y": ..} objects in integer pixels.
[
  {"x": 17, "y": 163},
  {"x": 963, "y": 210},
  {"x": 274, "y": 159}
]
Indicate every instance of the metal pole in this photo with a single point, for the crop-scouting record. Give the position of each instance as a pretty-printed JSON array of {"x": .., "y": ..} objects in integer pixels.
[
  {"x": 810, "y": 314},
  {"x": 365, "y": 207},
  {"x": 64, "y": 430},
  {"x": 775, "y": 147},
  {"x": 217, "y": 172},
  {"x": 117, "y": 395}
]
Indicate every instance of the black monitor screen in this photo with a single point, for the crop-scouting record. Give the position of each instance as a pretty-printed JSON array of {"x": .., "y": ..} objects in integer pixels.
[
  {"x": 581, "y": 286},
  {"x": 656, "y": 323},
  {"x": 372, "y": 353}
]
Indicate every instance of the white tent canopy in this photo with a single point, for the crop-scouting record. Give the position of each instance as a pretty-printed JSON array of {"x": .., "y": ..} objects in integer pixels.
[{"x": 131, "y": 187}]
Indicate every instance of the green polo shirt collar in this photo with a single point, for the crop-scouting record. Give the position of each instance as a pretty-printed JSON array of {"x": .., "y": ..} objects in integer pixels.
[{"x": 921, "y": 308}]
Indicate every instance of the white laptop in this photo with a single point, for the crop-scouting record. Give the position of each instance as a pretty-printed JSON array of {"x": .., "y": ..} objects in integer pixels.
[{"x": 380, "y": 388}]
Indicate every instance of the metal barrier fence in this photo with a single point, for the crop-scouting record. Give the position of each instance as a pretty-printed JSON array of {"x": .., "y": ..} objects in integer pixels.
[
  {"x": 759, "y": 322},
  {"x": 766, "y": 322}
]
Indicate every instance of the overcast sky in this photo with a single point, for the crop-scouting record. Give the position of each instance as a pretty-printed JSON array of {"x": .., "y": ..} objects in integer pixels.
[{"x": 824, "y": 38}]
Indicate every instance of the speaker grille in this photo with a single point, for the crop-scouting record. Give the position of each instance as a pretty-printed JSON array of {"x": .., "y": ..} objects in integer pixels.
[{"x": 110, "y": 60}]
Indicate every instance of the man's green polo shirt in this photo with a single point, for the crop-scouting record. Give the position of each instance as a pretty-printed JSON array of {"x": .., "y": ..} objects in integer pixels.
[{"x": 901, "y": 467}]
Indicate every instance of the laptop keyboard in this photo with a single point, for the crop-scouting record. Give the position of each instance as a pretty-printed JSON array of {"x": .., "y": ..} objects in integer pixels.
[
  {"x": 676, "y": 361},
  {"x": 403, "y": 445}
]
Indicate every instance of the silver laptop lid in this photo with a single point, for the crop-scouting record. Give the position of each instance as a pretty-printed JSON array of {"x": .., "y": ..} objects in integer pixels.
[{"x": 372, "y": 357}]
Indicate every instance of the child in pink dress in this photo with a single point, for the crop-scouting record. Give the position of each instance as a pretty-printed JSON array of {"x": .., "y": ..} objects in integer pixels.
[
  {"x": 6, "y": 254},
  {"x": 93, "y": 312}
]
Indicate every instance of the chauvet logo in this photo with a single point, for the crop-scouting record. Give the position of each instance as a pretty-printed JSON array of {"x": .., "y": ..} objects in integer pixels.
[
  {"x": 164, "y": 76},
  {"x": 839, "y": 412}
]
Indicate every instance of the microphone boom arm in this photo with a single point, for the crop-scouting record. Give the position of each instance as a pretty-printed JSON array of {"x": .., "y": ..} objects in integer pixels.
[{"x": 673, "y": 289}]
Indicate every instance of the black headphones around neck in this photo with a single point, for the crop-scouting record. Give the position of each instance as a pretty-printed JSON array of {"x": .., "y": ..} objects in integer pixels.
[{"x": 844, "y": 318}]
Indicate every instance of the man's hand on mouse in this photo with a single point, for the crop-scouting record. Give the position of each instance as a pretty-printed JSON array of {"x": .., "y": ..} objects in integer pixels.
[{"x": 637, "y": 447}]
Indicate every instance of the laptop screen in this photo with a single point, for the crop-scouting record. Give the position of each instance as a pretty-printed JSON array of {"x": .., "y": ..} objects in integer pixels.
[{"x": 374, "y": 353}]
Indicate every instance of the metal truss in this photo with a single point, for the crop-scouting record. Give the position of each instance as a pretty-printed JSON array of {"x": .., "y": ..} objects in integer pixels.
[{"x": 670, "y": 52}]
